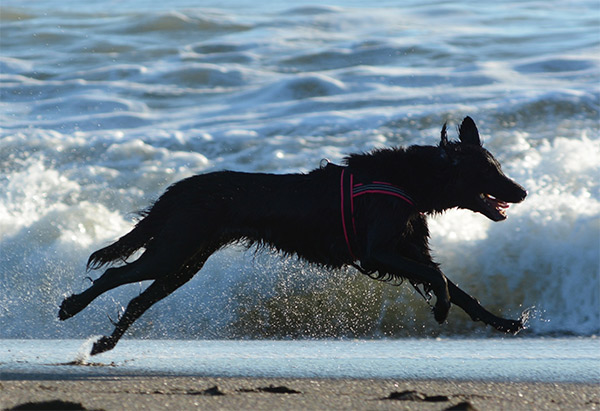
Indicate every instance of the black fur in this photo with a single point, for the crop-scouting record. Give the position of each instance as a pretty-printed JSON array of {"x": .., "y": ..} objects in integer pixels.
[{"x": 299, "y": 214}]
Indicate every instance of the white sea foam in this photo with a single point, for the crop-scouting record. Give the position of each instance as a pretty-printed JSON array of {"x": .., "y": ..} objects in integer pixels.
[{"x": 95, "y": 127}]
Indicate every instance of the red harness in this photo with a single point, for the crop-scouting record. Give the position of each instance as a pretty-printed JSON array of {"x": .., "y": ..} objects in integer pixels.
[{"x": 350, "y": 190}]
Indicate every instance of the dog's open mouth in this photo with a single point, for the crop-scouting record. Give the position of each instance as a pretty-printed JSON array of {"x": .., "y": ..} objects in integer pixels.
[{"x": 494, "y": 208}]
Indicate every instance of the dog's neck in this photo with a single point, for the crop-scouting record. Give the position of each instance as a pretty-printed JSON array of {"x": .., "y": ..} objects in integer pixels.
[{"x": 419, "y": 170}]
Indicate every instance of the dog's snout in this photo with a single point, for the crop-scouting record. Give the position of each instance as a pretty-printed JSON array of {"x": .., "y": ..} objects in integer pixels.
[
  {"x": 515, "y": 193},
  {"x": 520, "y": 192},
  {"x": 523, "y": 194}
]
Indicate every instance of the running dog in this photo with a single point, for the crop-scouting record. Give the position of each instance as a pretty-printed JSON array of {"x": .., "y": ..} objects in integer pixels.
[{"x": 370, "y": 213}]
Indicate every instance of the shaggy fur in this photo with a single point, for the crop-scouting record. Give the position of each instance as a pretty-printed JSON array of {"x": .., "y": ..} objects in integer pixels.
[{"x": 300, "y": 214}]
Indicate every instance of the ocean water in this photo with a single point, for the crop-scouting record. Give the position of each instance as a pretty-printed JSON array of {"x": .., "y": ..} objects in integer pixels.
[
  {"x": 103, "y": 106},
  {"x": 491, "y": 359}
]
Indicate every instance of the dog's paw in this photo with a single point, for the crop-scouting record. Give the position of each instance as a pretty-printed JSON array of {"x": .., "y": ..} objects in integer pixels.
[
  {"x": 68, "y": 308},
  {"x": 441, "y": 309},
  {"x": 511, "y": 326},
  {"x": 103, "y": 344}
]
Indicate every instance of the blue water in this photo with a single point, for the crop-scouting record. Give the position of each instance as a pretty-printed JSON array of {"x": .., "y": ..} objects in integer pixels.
[
  {"x": 103, "y": 106},
  {"x": 549, "y": 360}
]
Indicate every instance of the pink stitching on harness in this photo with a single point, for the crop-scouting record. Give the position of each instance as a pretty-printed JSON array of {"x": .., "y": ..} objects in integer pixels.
[
  {"x": 352, "y": 204},
  {"x": 384, "y": 192},
  {"x": 342, "y": 212}
]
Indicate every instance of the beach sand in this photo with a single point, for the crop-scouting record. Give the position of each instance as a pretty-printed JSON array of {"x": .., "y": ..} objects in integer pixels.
[{"x": 183, "y": 393}]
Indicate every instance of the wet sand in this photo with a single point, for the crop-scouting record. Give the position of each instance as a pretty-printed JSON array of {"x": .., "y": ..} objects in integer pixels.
[{"x": 183, "y": 393}]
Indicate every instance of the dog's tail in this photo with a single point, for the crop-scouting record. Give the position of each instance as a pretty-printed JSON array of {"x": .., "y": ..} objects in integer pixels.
[{"x": 124, "y": 247}]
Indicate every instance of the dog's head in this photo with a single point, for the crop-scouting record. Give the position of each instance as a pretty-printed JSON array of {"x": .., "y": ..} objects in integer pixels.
[{"x": 479, "y": 181}]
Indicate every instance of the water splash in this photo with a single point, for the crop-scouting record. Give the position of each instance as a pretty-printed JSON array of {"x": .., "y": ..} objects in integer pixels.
[
  {"x": 531, "y": 315},
  {"x": 83, "y": 353}
]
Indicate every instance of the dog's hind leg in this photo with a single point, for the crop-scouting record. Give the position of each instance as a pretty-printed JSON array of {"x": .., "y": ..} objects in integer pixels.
[
  {"x": 477, "y": 313},
  {"x": 140, "y": 270},
  {"x": 158, "y": 290},
  {"x": 162, "y": 257}
]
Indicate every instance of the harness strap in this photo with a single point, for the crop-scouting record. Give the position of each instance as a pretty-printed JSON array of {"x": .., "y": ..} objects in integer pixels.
[
  {"x": 347, "y": 211},
  {"x": 349, "y": 190}
]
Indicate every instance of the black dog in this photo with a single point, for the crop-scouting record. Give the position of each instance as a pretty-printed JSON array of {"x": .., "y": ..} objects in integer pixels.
[{"x": 369, "y": 213}]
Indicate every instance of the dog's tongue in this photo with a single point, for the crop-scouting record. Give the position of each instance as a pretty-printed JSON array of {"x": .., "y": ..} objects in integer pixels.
[
  {"x": 501, "y": 204},
  {"x": 497, "y": 204}
]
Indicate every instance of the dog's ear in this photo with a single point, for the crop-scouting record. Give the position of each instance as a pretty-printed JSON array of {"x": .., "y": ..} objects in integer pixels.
[
  {"x": 444, "y": 143},
  {"x": 444, "y": 140},
  {"x": 467, "y": 132}
]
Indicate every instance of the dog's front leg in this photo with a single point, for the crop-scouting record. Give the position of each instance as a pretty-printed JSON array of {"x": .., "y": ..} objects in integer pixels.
[
  {"x": 383, "y": 253},
  {"x": 477, "y": 313},
  {"x": 420, "y": 273}
]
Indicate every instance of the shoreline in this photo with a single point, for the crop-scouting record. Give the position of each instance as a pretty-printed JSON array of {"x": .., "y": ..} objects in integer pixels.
[{"x": 174, "y": 392}]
